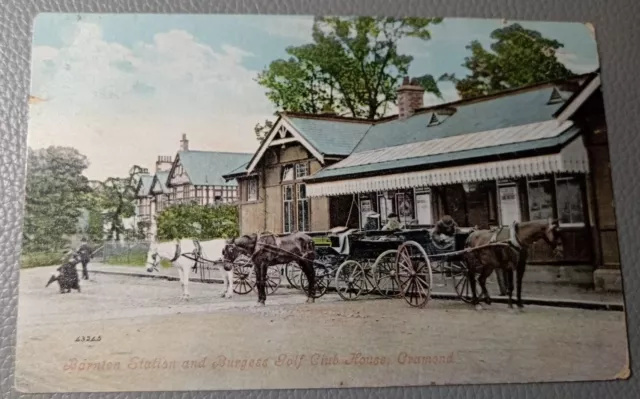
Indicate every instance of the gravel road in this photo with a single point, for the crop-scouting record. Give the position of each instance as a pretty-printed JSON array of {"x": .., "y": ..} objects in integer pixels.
[{"x": 145, "y": 339}]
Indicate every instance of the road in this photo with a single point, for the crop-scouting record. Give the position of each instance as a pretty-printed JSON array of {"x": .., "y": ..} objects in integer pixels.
[{"x": 149, "y": 340}]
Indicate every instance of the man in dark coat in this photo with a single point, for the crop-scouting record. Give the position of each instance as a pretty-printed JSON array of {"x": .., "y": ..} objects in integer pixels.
[{"x": 84, "y": 254}]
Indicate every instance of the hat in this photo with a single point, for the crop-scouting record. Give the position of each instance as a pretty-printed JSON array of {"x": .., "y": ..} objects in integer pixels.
[{"x": 373, "y": 215}]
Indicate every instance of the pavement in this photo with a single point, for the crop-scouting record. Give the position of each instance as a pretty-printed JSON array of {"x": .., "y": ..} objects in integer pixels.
[{"x": 548, "y": 294}]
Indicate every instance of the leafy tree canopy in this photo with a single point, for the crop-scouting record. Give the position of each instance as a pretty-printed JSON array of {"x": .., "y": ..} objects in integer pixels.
[
  {"x": 518, "y": 57},
  {"x": 352, "y": 67},
  {"x": 56, "y": 191}
]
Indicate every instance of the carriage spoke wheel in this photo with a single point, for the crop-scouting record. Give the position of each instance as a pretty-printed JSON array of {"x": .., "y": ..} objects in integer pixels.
[
  {"x": 273, "y": 280},
  {"x": 322, "y": 281},
  {"x": 243, "y": 278},
  {"x": 461, "y": 281},
  {"x": 415, "y": 278},
  {"x": 350, "y": 280},
  {"x": 385, "y": 275},
  {"x": 292, "y": 272}
]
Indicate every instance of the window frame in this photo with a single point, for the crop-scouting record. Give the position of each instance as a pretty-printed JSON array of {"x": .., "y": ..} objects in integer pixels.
[
  {"x": 292, "y": 211},
  {"x": 299, "y": 200},
  {"x": 250, "y": 181},
  {"x": 578, "y": 182}
]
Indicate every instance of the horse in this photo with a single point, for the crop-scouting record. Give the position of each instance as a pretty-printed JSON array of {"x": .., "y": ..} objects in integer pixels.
[
  {"x": 267, "y": 249},
  {"x": 506, "y": 258},
  {"x": 183, "y": 255}
]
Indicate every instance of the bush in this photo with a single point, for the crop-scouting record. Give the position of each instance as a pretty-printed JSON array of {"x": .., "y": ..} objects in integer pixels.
[
  {"x": 39, "y": 259},
  {"x": 133, "y": 259},
  {"x": 198, "y": 221}
]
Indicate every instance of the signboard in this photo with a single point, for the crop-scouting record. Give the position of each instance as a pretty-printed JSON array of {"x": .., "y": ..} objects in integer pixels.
[
  {"x": 423, "y": 208},
  {"x": 509, "y": 205}
]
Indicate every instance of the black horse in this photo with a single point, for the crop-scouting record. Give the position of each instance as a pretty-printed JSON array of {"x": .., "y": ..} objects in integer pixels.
[{"x": 267, "y": 250}]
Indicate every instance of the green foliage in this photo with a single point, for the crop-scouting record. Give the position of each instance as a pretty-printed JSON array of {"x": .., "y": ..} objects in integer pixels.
[
  {"x": 518, "y": 57},
  {"x": 115, "y": 198},
  {"x": 352, "y": 66},
  {"x": 39, "y": 259},
  {"x": 56, "y": 191},
  {"x": 262, "y": 130},
  {"x": 197, "y": 221}
]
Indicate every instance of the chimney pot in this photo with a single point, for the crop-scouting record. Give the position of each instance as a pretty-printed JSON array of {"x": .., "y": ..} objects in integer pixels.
[
  {"x": 410, "y": 97},
  {"x": 184, "y": 143}
]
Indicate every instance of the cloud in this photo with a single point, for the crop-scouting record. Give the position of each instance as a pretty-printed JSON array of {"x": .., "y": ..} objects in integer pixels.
[
  {"x": 124, "y": 105},
  {"x": 575, "y": 63}
]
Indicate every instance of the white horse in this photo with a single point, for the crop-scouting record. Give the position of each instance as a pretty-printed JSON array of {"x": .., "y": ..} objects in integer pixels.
[{"x": 181, "y": 254}]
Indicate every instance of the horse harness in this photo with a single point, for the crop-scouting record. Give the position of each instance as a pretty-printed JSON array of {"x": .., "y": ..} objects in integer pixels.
[{"x": 513, "y": 240}]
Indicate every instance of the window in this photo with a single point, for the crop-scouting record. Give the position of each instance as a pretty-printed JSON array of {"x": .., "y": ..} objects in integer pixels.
[
  {"x": 303, "y": 208},
  {"x": 301, "y": 170},
  {"x": 405, "y": 208},
  {"x": 569, "y": 199},
  {"x": 287, "y": 173},
  {"x": 253, "y": 189},
  {"x": 385, "y": 206},
  {"x": 540, "y": 202},
  {"x": 287, "y": 211}
]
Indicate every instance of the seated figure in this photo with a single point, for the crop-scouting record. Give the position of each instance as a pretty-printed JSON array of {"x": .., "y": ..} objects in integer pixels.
[
  {"x": 445, "y": 230},
  {"x": 392, "y": 223}
]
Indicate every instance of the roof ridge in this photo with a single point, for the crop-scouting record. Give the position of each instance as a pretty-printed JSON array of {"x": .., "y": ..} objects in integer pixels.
[
  {"x": 303, "y": 115},
  {"x": 217, "y": 152}
]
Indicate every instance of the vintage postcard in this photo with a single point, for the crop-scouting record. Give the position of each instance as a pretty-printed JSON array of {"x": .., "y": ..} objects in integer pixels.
[{"x": 232, "y": 202}]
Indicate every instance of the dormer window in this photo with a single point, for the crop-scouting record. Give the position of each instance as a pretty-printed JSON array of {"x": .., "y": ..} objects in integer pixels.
[
  {"x": 434, "y": 120},
  {"x": 555, "y": 97}
]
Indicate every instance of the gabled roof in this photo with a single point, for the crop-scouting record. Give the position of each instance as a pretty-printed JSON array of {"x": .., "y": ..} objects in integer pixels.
[
  {"x": 160, "y": 180},
  {"x": 206, "y": 168},
  {"x": 331, "y": 136},
  {"x": 144, "y": 185}
]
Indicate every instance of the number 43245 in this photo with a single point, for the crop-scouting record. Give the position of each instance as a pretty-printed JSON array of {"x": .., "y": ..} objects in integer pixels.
[{"x": 85, "y": 338}]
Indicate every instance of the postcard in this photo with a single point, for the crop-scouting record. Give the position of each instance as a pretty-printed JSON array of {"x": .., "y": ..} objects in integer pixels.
[{"x": 233, "y": 202}]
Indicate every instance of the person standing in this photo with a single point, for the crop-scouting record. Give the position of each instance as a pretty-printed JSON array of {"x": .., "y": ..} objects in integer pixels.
[{"x": 84, "y": 252}]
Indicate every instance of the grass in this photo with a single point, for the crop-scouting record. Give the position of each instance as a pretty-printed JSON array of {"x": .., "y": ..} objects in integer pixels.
[
  {"x": 40, "y": 259},
  {"x": 133, "y": 259}
]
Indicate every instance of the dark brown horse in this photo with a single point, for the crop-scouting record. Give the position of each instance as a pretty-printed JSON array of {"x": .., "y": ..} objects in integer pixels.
[
  {"x": 267, "y": 249},
  {"x": 506, "y": 259}
]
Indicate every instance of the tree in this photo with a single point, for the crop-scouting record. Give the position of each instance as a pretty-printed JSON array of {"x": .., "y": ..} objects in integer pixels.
[
  {"x": 353, "y": 66},
  {"x": 116, "y": 198},
  {"x": 56, "y": 192},
  {"x": 518, "y": 57},
  {"x": 262, "y": 130}
]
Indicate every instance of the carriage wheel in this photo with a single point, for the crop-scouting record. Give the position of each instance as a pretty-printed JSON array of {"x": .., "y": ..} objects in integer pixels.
[
  {"x": 350, "y": 280},
  {"x": 322, "y": 281},
  {"x": 415, "y": 278},
  {"x": 384, "y": 274},
  {"x": 243, "y": 278},
  {"x": 292, "y": 272},
  {"x": 273, "y": 280},
  {"x": 461, "y": 281}
]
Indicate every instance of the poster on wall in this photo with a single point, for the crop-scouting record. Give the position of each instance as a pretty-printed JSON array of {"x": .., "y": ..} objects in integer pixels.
[
  {"x": 365, "y": 210},
  {"x": 509, "y": 205},
  {"x": 405, "y": 208},
  {"x": 423, "y": 208}
]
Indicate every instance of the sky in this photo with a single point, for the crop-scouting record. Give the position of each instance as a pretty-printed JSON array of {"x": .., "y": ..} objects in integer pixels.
[{"x": 122, "y": 89}]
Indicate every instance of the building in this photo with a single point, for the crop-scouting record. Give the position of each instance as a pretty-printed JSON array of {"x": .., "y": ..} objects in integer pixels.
[
  {"x": 524, "y": 154},
  {"x": 191, "y": 177}
]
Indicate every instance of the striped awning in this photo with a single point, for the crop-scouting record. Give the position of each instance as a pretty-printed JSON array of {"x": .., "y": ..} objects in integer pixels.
[{"x": 571, "y": 159}]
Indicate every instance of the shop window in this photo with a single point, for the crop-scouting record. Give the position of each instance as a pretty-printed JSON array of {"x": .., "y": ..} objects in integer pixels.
[
  {"x": 423, "y": 207},
  {"x": 569, "y": 198},
  {"x": 287, "y": 211},
  {"x": 303, "y": 208},
  {"x": 540, "y": 199},
  {"x": 405, "y": 208}
]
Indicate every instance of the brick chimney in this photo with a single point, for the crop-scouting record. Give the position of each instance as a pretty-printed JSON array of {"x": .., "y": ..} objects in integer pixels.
[
  {"x": 410, "y": 97},
  {"x": 184, "y": 143},
  {"x": 163, "y": 164}
]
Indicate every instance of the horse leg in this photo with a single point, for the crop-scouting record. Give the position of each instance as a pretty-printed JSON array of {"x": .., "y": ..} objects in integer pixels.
[
  {"x": 522, "y": 263},
  {"x": 482, "y": 280},
  {"x": 182, "y": 278},
  {"x": 509, "y": 278},
  {"x": 471, "y": 278},
  {"x": 501, "y": 277},
  {"x": 261, "y": 276},
  {"x": 227, "y": 276},
  {"x": 309, "y": 272}
]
